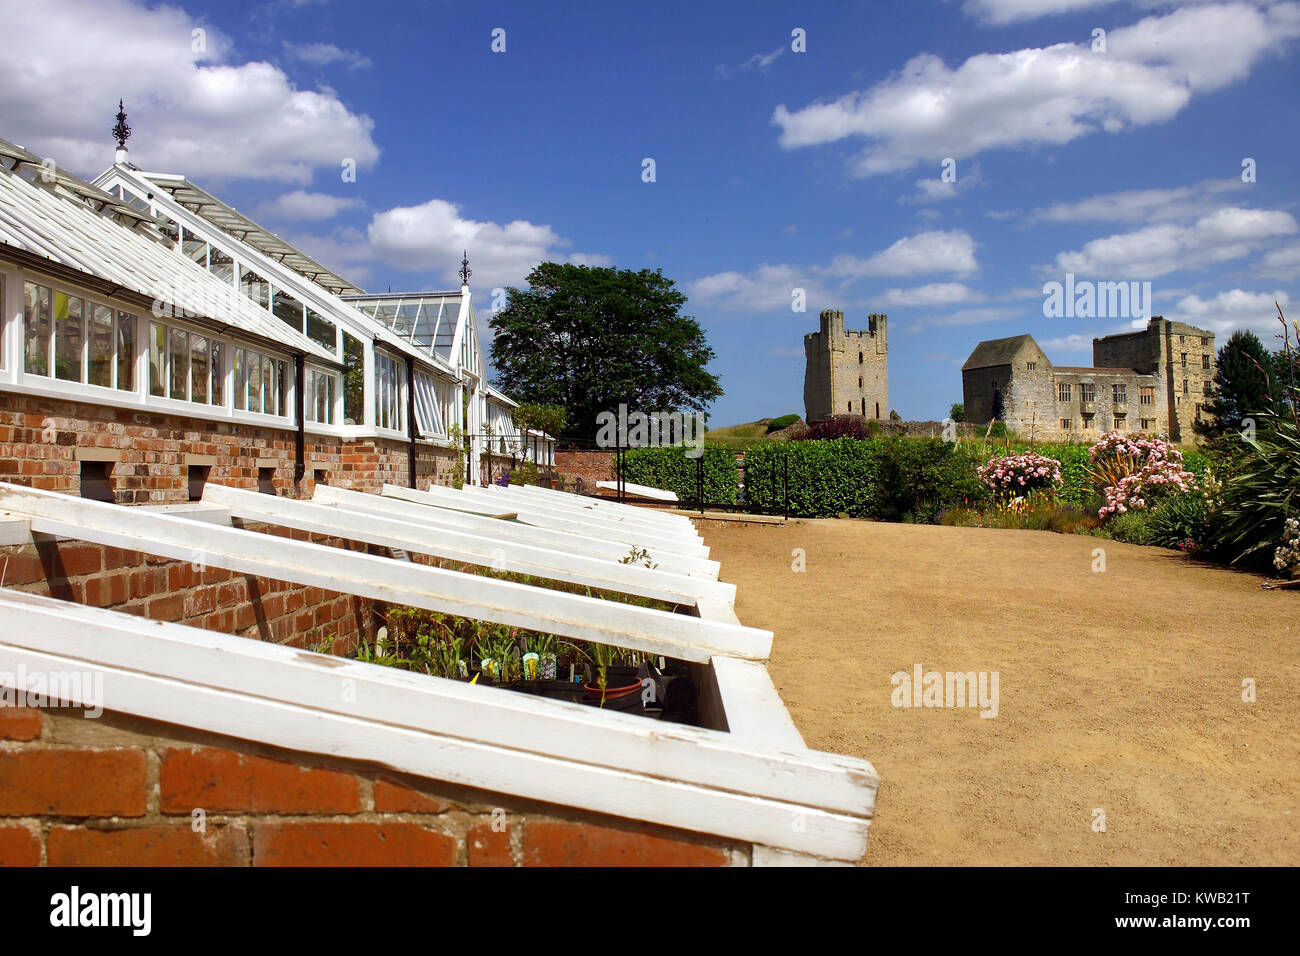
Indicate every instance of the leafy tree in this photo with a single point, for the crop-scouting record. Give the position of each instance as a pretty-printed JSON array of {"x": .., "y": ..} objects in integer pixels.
[
  {"x": 589, "y": 338},
  {"x": 545, "y": 418},
  {"x": 958, "y": 412},
  {"x": 1241, "y": 384}
]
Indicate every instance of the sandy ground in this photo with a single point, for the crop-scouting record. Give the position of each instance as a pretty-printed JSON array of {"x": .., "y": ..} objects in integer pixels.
[{"x": 1119, "y": 690}]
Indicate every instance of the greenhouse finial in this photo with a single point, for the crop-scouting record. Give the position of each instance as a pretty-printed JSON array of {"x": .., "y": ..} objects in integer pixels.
[
  {"x": 121, "y": 131},
  {"x": 465, "y": 270}
]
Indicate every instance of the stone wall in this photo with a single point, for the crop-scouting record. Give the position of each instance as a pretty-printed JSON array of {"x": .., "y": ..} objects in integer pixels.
[{"x": 846, "y": 371}]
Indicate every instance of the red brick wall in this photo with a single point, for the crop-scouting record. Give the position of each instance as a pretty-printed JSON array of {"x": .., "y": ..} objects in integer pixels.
[
  {"x": 40, "y": 439},
  {"x": 590, "y": 466},
  {"x": 162, "y": 589},
  {"x": 122, "y": 791}
]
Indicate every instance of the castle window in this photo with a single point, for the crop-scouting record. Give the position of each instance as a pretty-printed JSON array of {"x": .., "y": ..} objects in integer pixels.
[
  {"x": 1205, "y": 362},
  {"x": 1087, "y": 421},
  {"x": 1205, "y": 340},
  {"x": 1148, "y": 424},
  {"x": 1183, "y": 357},
  {"x": 860, "y": 359},
  {"x": 864, "y": 407},
  {"x": 1121, "y": 421},
  {"x": 1182, "y": 339},
  {"x": 1030, "y": 366},
  {"x": 1063, "y": 392},
  {"x": 1087, "y": 392},
  {"x": 1207, "y": 388},
  {"x": 1066, "y": 424},
  {"x": 859, "y": 381},
  {"x": 850, "y": 405},
  {"x": 1198, "y": 411},
  {"x": 1186, "y": 388},
  {"x": 1119, "y": 394},
  {"x": 877, "y": 409},
  {"x": 1146, "y": 395}
]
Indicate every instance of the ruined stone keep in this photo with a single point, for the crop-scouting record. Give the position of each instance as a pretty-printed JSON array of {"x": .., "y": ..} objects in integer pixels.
[
  {"x": 847, "y": 372},
  {"x": 1157, "y": 380}
]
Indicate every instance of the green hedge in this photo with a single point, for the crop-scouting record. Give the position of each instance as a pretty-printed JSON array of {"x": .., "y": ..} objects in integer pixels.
[
  {"x": 672, "y": 470},
  {"x": 885, "y": 478},
  {"x": 889, "y": 478}
]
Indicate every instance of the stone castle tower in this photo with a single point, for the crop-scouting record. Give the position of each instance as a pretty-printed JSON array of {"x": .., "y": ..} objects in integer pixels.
[{"x": 847, "y": 371}]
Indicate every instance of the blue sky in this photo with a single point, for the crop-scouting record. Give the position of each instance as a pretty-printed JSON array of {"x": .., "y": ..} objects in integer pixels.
[{"x": 774, "y": 169}]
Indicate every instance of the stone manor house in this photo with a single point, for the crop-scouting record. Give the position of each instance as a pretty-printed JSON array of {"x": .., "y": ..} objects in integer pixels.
[
  {"x": 1157, "y": 380},
  {"x": 846, "y": 372}
]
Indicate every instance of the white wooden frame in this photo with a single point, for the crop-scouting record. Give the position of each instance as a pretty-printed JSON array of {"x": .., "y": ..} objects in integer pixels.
[
  {"x": 497, "y": 553},
  {"x": 751, "y": 780},
  {"x": 382, "y": 579},
  {"x": 692, "y": 778},
  {"x": 555, "y": 518},
  {"x": 418, "y": 510}
]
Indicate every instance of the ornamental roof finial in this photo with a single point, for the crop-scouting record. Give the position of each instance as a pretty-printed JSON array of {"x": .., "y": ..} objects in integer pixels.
[
  {"x": 121, "y": 131},
  {"x": 465, "y": 270}
]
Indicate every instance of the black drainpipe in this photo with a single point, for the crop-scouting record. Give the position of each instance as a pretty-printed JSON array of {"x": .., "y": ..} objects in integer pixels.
[
  {"x": 410, "y": 416},
  {"x": 300, "y": 442}
]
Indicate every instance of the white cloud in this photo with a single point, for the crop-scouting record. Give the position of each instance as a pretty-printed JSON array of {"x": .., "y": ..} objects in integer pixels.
[
  {"x": 1141, "y": 205},
  {"x": 198, "y": 113},
  {"x": 976, "y": 316},
  {"x": 301, "y": 205},
  {"x": 323, "y": 54},
  {"x": 590, "y": 259},
  {"x": 926, "y": 252},
  {"x": 1154, "y": 251},
  {"x": 765, "y": 289},
  {"x": 1236, "y": 309},
  {"x": 1282, "y": 263},
  {"x": 937, "y": 293},
  {"x": 429, "y": 238},
  {"x": 759, "y": 61},
  {"x": 1012, "y": 11},
  {"x": 1070, "y": 344},
  {"x": 1049, "y": 95}
]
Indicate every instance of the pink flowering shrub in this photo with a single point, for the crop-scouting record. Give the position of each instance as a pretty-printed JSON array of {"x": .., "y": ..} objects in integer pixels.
[
  {"x": 1132, "y": 471},
  {"x": 1020, "y": 474}
]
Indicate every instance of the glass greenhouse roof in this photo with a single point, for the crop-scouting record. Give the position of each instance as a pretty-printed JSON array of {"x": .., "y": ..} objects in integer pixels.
[{"x": 427, "y": 320}]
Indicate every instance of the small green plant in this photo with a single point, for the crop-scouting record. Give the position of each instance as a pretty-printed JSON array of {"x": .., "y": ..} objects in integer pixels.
[
  {"x": 456, "y": 435},
  {"x": 638, "y": 556},
  {"x": 1181, "y": 521}
]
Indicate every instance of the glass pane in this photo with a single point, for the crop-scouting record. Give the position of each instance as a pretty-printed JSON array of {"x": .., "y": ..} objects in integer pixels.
[
  {"x": 241, "y": 379},
  {"x": 100, "y": 368},
  {"x": 322, "y": 406},
  {"x": 254, "y": 382},
  {"x": 126, "y": 351},
  {"x": 354, "y": 383},
  {"x": 157, "y": 359},
  {"x": 37, "y": 325},
  {"x": 268, "y": 387},
  {"x": 195, "y": 249},
  {"x": 255, "y": 287},
  {"x": 321, "y": 330},
  {"x": 282, "y": 385},
  {"x": 69, "y": 336},
  {"x": 221, "y": 266},
  {"x": 198, "y": 369},
  {"x": 330, "y": 390},
  {"x": 171, "y": 232},
  {"x": 179, "y": 348},
  {"x": 288, "y": 310},
  {"x": 217, "y": 356}
]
